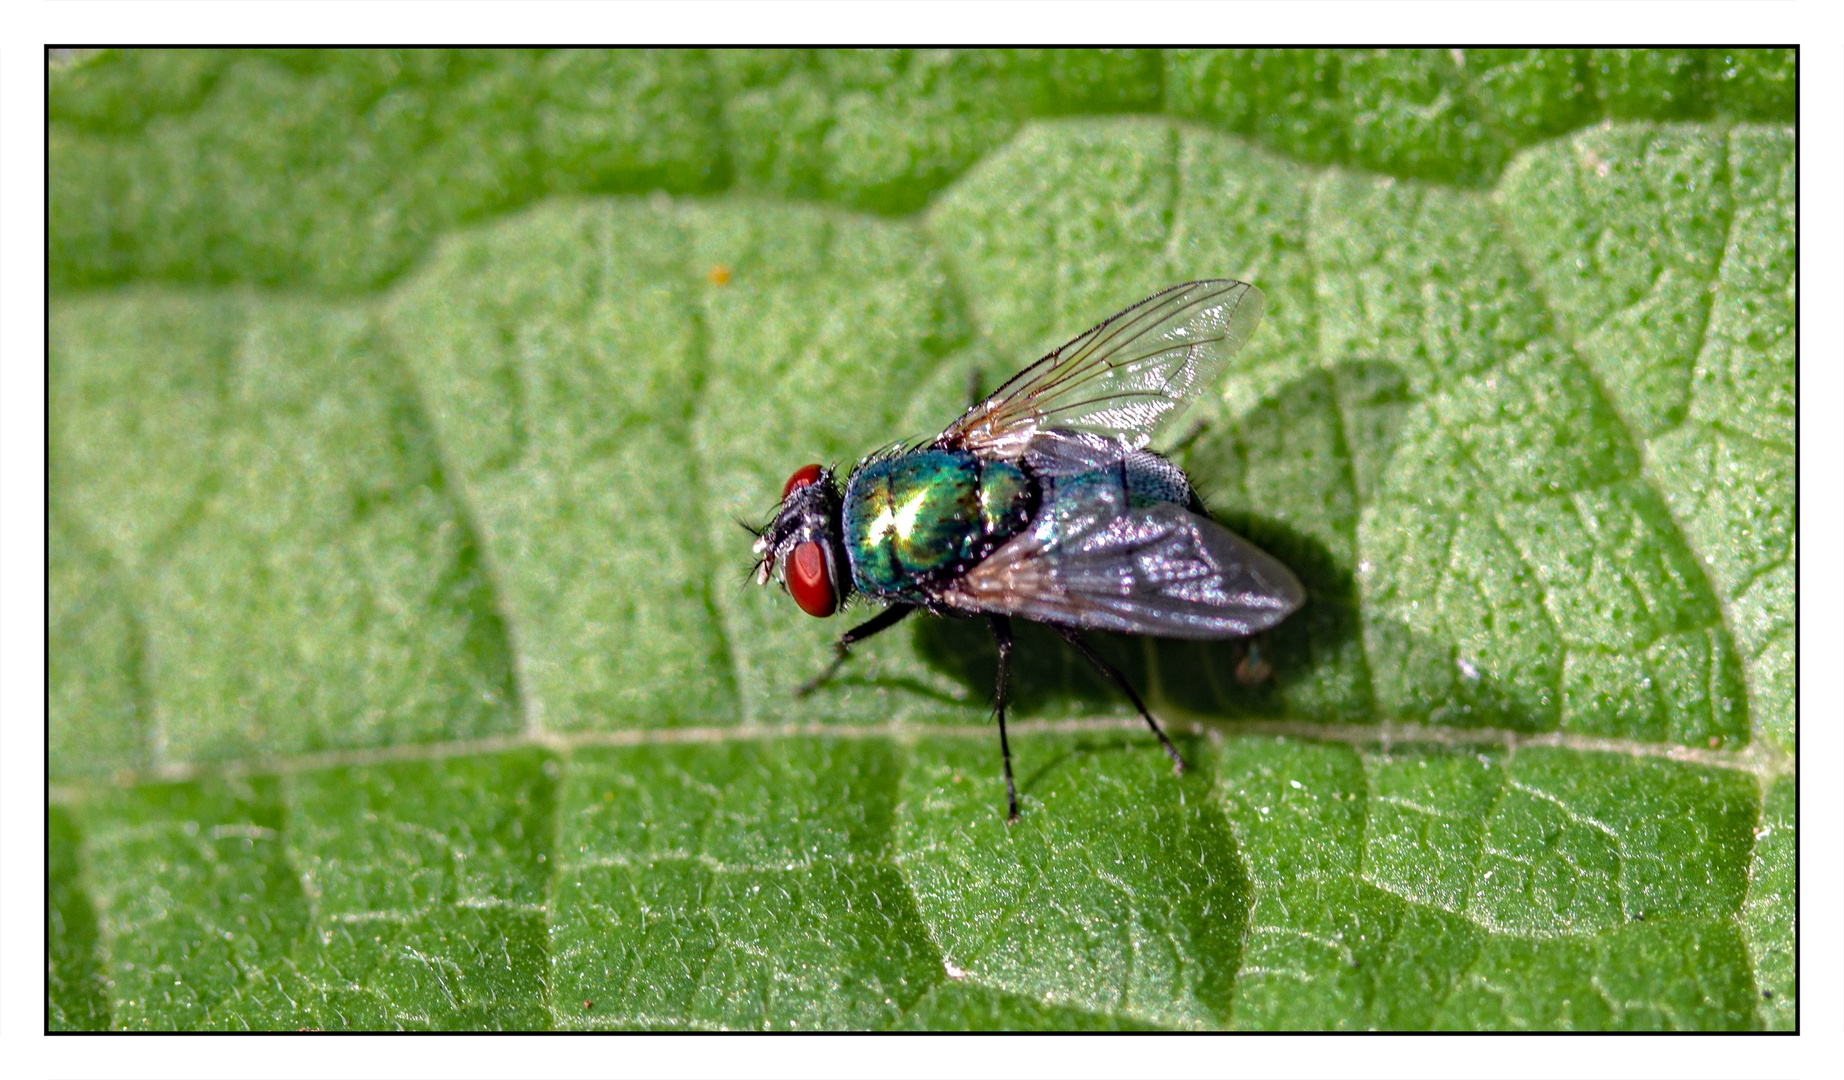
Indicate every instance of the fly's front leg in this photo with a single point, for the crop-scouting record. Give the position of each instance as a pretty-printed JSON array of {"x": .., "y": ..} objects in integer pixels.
[
  {"x": 1002, "y": 636},
  {"x": 884, "y": 620},
  {"x": 1113, "y": 673}
]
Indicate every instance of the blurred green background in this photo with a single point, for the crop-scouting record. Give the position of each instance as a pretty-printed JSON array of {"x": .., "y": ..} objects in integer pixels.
[{"x": 402, "y": 670}]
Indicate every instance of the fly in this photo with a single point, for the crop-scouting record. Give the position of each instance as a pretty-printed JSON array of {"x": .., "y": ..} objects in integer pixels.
[{"x": 1042, "y": 502}]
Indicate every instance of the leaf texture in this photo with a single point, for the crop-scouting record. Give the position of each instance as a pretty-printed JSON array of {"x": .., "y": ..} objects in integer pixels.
[{"x": 403, "y": 669}]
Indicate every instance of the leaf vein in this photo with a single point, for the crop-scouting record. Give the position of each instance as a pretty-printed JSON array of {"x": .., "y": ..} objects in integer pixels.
[{"x": 1635, "y": 443}]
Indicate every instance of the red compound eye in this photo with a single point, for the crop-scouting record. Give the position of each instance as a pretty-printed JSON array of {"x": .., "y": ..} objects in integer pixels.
[
  {"x": 806, "y": 474},
  {"x": 809, "y": 579}
]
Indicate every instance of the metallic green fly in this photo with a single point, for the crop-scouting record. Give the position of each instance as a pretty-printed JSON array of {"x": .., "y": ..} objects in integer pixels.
[{"x": 1043, "y": 502}]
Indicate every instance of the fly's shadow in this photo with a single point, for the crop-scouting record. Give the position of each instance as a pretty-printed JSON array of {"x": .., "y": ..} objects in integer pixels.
[
  {"x": 1317, "y": 450},
  {"x": 1125, "y": 743}
]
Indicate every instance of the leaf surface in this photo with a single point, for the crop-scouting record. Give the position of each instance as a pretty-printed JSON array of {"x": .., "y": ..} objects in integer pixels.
[{"x": 404, "y": 672}]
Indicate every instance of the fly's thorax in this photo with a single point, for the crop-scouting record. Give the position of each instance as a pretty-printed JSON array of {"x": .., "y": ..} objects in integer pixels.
[
  {"x": 915, "y": 520},
  {"x": 1007, "y": 500}
]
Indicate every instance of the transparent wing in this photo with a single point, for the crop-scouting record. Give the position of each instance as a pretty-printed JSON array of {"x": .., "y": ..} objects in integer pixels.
[
  {"x": 1089, "y": 561},
  {"x": 1122, "y": 381}
]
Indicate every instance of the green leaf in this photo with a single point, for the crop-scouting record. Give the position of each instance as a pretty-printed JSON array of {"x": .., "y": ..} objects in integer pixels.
[
  {"x": 76, "y": 985},
  {"x": 403, "y": 668},
  {"x": 271, "y": 509}
]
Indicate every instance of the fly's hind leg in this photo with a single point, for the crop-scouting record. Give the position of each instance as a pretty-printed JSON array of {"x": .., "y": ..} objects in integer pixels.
[
  {"x": 1114, "y": 675},
  {"x": 1002, "y": 636},
  {"x": 884, "y": 620}
]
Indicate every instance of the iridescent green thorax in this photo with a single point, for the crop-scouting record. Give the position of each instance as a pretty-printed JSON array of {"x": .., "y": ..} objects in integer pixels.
[{"x": 926, "y": 516}]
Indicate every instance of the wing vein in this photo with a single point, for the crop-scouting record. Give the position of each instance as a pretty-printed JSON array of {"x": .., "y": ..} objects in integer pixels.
[{"x": 1123, "y": 379}]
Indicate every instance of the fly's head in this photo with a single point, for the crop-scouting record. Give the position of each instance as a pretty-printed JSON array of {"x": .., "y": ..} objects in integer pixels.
[{"x": 803, "y": 545}]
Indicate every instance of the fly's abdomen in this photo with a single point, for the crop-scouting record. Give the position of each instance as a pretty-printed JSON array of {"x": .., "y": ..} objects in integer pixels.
[
  {"x": 1142, "y": 476},
  {"x": 917, "y": 519}
]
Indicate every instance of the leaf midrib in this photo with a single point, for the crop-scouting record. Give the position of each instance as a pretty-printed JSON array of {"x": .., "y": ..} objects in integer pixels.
[{"x": 1759, "y": 759}]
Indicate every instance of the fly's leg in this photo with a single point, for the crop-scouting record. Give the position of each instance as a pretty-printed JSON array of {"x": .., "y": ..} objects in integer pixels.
[
  {"x": 1113, "y": 673},
  {"x": 884, "y": 620},
  {"x": 1002, "y": 636},
  {"x": 1253, "y": 669}
]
